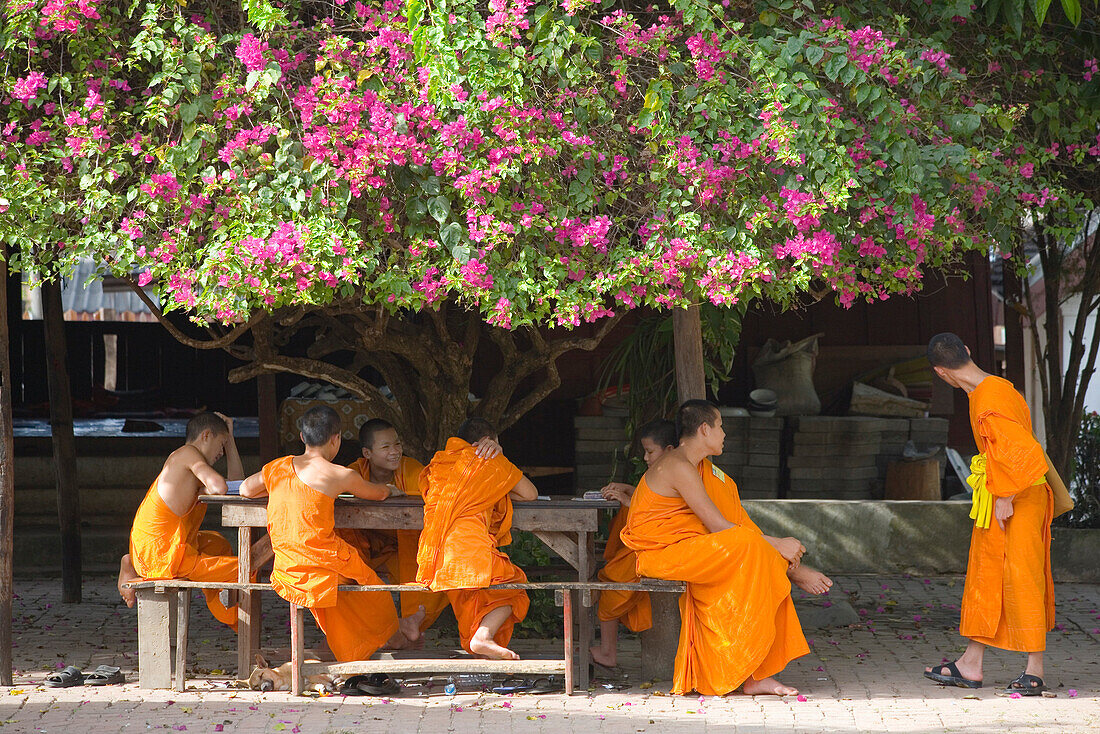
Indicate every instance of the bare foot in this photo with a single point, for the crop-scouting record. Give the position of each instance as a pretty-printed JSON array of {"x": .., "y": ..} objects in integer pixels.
[
  {"x": 809, "y": 580},
  {"x": 410, "y": 625},
  {"x": 767, "y": 687},
  {"x": 604, "y": 658},
  {"x": 966, "y": 670},
  {"x": 484, "y": 645},
  {"x": 126, "y": 574}
]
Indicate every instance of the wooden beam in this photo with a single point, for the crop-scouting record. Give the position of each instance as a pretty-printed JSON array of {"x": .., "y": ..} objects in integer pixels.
[
  {"x": 7, "y": 479},
  {"x": 459, "y": 665},
  {"x": 64, "y": 447},
  {"x": 687, "y": 333}
]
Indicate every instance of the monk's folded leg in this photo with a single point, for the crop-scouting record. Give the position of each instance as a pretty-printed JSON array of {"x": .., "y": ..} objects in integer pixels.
[
  {"x": 215, "y": 562},
  {"x": 472, "y": 605},
  {"x": 360, "y": 623}
]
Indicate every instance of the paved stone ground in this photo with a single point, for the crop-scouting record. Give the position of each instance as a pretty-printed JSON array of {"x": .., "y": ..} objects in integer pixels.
[{"x": 865, "y": 677}]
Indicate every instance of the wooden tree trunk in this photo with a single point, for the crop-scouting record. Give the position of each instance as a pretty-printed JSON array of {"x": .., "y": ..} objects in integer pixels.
[
  {"x": 1014, "y": 326},
  {"x": 7, "y": 481},
  {"x": 64, "y": 449},
  {"x": 659, "y": 642}
]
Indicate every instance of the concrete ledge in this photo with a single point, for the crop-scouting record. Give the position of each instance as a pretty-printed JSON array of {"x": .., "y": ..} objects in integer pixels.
[{"x": 890, "y": 537}]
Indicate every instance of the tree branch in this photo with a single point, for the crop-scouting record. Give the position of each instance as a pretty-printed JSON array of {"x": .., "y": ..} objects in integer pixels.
[{"x": 215, "y": 343}]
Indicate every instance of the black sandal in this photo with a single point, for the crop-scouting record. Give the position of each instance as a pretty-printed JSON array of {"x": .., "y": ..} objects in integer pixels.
[
  {"x": 105, "y": 675},
  {"x": 67, "y": 677},
  {"x": 954, "y": 679},
  {"x": 547, "y": 684},
  {"x": 374, "y": 684},
  {"x": 1025, "y": 685}
]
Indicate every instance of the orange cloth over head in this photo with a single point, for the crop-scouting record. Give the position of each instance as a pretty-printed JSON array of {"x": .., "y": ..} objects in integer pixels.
[
  {"x": 1008, "y": 599},
  {"x": 311, "y": 562},
  {"x": 164, "y": 545},
  {"x": 467, "y": 516},
  {"x": 737, "y": 617}
]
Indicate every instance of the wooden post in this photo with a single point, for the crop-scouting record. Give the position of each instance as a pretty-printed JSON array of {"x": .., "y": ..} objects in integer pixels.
[
  {"x": 7, "y": 479},
  {"x": 1014, "y": 325},
  {"x": 268, "y": 416},
  {"x": 659, "y": 642},
  {"x": 64, "y": 449}
]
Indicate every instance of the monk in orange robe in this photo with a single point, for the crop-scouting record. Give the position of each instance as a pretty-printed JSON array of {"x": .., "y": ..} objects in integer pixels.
[
  {"x": 738, "y": 622},
  {"x": 384, "y": 462},
  {"x": 165, "y": 540},
  {"x": 1008, "y": 598},
  {"x": 620, "y": 563},
  {"x": 467, "y": 517},
  {"x": 310, "y": 560}
]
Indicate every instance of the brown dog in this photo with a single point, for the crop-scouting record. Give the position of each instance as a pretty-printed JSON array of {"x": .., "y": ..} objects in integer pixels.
[{"x": 266, "y": 678}]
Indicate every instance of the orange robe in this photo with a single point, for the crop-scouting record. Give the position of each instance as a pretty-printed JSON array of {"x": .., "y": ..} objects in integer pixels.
[
  {"x": 1008, "y": 599},
  {"x": 396, "y": 551},
  {"x": 467, "y": 516},
  {"x": 737, "y": 616},
  {"x": 632, "y": 608},
  {"x": 164, "y": 545},
  {"x": 311, "y": 561}
]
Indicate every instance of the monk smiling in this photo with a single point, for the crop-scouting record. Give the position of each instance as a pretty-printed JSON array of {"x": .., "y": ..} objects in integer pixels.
[
  {"x": 738, "y": 623},
  {"x": 1008, "y": 598}
]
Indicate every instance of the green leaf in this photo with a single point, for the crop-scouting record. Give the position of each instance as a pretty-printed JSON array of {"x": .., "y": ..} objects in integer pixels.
[
  {"x": 450, "y": 235},
  {"x": 252, "y": 78},
  {"x": 189, "y": 111},
  {"x": 430, "y": 186},
  {"x": 794, "y": 45},
  {"x": 440, "y": 208},
  {"x": 1072, "y": 10},
  {"x": 814, "y": 54},
  {"x": 414, "y": 13}
]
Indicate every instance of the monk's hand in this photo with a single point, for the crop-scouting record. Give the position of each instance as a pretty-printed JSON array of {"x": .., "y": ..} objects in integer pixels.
[
  {"x": 791, "y": 550},
  {"x": 395, "y": 491},
  {"x": 228, "y": 421},
  {"x": 487, "y": 448},
  {"x": 1002, "y": 510},
  {"x": 616, "y": 493}
]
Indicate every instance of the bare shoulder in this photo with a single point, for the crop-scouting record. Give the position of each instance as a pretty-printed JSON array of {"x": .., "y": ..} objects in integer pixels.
[{"x": 669, "y": 474}]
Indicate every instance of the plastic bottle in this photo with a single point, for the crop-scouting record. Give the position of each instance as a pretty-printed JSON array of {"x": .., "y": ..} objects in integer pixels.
[
  {"x": 450, "y": 689},
  {"x": 473, "y": 682}
]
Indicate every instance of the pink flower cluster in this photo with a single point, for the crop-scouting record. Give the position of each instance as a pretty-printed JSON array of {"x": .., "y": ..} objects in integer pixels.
[
  {"x": 66, "y": 16},
  {"x": 938, "y": 59},
  {"x": 26, "y": 89},
  {"x": 507, "y": 19},
  {"x": 250, "y": 52}
]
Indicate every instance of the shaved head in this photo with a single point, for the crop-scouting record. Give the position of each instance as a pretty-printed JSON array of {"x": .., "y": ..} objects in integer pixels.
[
  {"x": 693, "y": 414},
  {"x": 948, "y": 351}
]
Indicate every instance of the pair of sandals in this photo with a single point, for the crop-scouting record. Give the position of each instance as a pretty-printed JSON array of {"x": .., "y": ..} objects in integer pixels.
[
  {"x": 70, "y": 676},
  {"x": 1024, "y": 685},
  {"x": 374, "y": 684},
  {"x": 545, "y": 684}
]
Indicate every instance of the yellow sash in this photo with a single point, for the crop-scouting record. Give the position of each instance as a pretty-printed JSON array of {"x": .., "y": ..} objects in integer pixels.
[{"x": 981, "y": 504}]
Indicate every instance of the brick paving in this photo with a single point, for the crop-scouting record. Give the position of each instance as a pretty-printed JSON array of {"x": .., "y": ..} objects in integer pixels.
[{"x": 865, "y": 677}]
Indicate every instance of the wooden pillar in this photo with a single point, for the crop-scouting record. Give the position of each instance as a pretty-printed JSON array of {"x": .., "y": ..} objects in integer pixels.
[
  {"x": 268, "y": 416},
  {"x": 64, "y": 448},
  {"x": 659, "y": 641},
  {"x": 7, "y": 480},
  {"x": 1014, "y": 324}
]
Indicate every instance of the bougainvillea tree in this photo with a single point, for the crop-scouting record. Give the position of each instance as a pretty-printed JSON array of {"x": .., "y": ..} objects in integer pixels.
[{"x": 397, "y": 180}]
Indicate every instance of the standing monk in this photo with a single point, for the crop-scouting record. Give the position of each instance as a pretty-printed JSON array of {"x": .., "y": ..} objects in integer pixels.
[
  {"x": 1008, "y": 599},
  {"x": 467, "y": 516},
  {"x": 165, "y": 540},
  {"x": 738, "y": 623},
  {"x": 310, "y": 560},
  {"x": 384, "y": 462},
  {"x": 620, "y": 563}
]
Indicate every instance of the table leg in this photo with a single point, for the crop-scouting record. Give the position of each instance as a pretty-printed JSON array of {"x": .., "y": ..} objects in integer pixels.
[
  {"x": 246, "y": 610},
  {"x": 586, "y": 562}
]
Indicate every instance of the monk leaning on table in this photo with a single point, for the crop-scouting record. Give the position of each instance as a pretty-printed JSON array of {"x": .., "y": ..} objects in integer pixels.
[
  {"x": 310, "y": 560},
  {"x": 738, "y": 623},
  {"x": 165, "y": 540},
  {"x": 1008, "y": 598},
  {"x": 384, "y": 462},
  {"x": 467, "y": 516},
  {"x": 632, "y": 608}
]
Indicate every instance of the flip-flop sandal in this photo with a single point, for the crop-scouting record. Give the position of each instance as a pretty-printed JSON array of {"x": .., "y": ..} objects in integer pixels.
[
  {"x": 378, "y": 684},
  {"x": 351, "y": 686},
  {"x": 67, "y": 677},
  {"x": 548, "y": 684},
  {"x": 514, "y": 685},
  {"x": 954, "y": 679},
  {"x": 1025, "y": 685},
  {"x": 105, "y": 675}
]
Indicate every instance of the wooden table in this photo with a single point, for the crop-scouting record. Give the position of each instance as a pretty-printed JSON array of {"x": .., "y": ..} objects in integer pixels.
[{"x": 567, "y": 526}]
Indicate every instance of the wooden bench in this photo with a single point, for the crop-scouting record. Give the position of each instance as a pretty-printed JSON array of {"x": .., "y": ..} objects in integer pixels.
[{"x": 164, "y": 607}]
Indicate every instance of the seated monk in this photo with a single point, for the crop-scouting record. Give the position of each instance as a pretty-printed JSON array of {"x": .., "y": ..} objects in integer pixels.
[
  {"x": 467, "y": 516},
  {"x": 620, "y": 563},
  {"x": 310, "y": 560},
  {"x": 739, "y": 626},
  {"x": 165, "y": 540},
  {"x": 384, "y": 462}
]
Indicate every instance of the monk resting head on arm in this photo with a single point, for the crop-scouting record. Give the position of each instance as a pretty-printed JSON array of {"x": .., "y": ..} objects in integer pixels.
[{"x": 319, "y": 429}]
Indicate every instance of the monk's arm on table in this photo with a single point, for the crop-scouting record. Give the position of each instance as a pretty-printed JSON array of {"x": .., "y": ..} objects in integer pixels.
[
  {"x": 1014, "y": 460},
  {"x": 211, "y": 482},
  {"x": 361, "y": 488},
  {"x": 524, "y": 491},
  {"x": 254, "y": 486}
]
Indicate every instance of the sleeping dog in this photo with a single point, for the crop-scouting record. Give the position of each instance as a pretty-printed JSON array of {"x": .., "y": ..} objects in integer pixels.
[{"x": 266, "y": 678}]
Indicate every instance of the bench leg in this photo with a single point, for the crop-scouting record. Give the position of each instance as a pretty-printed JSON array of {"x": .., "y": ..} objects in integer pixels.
[
  {"x": 183, "y": 616},
  {"x": 586, "y": 555},
  {"x": 567, "y": 620},
  {"x": 248, "y": 623},
  {"x": 156, "y": 613},
  {"x": 297, "y": 649}
]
